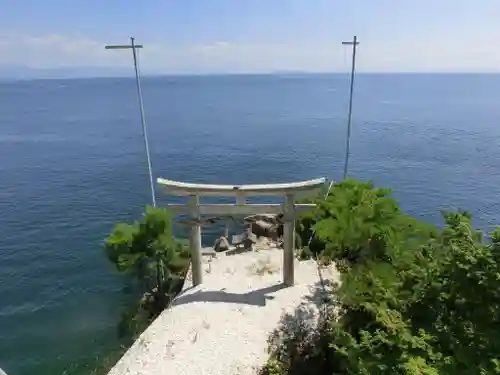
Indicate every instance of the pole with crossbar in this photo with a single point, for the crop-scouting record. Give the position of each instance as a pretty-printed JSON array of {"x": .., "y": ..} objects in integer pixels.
[
  {"x": 133, "y": 47},
  {"x": 352, "y": 43}
]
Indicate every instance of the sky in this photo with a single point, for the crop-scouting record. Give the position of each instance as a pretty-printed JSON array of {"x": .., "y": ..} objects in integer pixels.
[{"x": 252, "y": 36}]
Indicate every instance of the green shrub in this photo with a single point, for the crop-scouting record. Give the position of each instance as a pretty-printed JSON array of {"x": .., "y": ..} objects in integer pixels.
[
  {"x": 414, "y": 299},
  {"x": 153, "y": 259}
]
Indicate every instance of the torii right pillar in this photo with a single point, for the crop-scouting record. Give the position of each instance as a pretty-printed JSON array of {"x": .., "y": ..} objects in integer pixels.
[{"x": 289, "y": 240}]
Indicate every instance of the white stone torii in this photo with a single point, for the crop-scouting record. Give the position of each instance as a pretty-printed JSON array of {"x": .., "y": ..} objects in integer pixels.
[{"x": 241, "y": 192}]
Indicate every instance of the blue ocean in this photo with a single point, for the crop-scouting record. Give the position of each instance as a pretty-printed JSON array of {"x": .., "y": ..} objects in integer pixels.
[{"x": 72, "y": 164}]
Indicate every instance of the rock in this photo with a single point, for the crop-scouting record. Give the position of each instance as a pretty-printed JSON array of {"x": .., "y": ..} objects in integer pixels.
[
  {"x": 265, "y": 229},
  {"x": 222, "y": 244},
  {"x": 251, "y": 236},
  {"x": 280, "y": 231},
  {"x": 260, "y": 228},
  {"x": 270, "y": 226},
  {"x": 247, "y": 238},
  {"x": 271, "y": 219},
  {"x": 250, "y": 240}
]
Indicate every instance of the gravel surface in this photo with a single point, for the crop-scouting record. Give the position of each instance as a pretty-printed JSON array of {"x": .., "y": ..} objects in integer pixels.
[{"x": 221, "y": 327}]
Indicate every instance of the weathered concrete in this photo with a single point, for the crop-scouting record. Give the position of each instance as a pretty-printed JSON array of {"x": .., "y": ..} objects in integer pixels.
[{"x": 221, "y": 327}]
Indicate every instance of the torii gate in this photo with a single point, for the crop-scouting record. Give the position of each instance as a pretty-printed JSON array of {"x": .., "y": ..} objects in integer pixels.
[{"x": 241, "y": 193}]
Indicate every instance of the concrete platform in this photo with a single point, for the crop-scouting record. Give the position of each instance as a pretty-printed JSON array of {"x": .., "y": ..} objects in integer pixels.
[{"x": 221, "y": 327}]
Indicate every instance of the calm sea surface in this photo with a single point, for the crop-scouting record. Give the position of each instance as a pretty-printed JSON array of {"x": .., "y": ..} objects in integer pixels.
[{"x": 72, "y": 165}]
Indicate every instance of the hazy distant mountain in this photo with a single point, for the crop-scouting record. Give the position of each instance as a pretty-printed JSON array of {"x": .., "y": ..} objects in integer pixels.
[
  {"x": 17, "y": 72},
  {"x": 20, "y": 72}
]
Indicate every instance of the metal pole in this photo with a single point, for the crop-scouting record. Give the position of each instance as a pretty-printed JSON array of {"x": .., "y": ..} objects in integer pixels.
[
  {"x": 354, "y": 43},
  {"x": 143, "y": 122},
  {"x": 134, "y": 46}
]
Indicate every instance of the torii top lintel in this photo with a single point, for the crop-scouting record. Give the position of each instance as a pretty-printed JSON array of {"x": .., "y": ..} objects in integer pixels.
[{"x": 189, "y": 189}]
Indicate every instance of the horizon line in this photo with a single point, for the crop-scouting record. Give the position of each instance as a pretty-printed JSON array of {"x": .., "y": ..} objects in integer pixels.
[{"x": 273, "y": 73}]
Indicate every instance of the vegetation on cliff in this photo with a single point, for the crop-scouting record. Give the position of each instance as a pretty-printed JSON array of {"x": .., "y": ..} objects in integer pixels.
[
  {"x": 413, "y": 299},
  {"x": 152, "y": 260},
  {"x": 153, "y": 264}
]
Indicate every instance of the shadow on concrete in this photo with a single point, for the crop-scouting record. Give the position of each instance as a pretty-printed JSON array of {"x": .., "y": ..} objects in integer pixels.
[
  {"x": 301, "y": 341},
  {"x": 238, "y": 250},
  {"x": 256, "y": 297}
]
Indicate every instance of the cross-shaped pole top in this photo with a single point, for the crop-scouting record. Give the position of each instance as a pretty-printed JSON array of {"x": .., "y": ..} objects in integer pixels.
[
  {"x": 125, "y": 46},
  {"x": 354, "y": 41}
]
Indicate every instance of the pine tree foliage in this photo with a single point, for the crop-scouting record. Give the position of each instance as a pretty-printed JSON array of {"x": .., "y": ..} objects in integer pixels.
[{"x": 147, "y": 252}]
